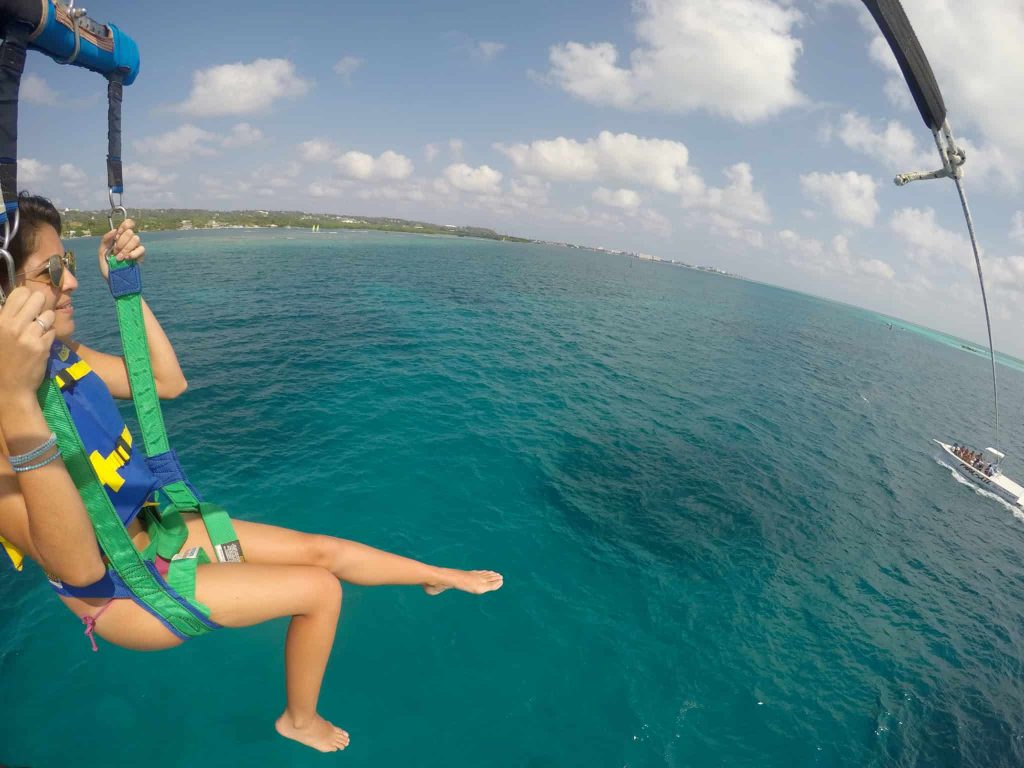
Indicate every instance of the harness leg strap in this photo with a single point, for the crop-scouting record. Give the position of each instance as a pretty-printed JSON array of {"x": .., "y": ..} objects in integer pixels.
[
  {"x": 181, "y": 575},
  {"x": 222, "y": 534}
]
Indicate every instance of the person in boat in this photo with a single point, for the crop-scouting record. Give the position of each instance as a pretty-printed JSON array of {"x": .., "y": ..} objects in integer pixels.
[{"x": 286, "y": 573}]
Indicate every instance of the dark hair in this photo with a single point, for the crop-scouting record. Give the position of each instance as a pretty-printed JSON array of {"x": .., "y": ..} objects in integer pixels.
[{"x": 33, "y": 212}]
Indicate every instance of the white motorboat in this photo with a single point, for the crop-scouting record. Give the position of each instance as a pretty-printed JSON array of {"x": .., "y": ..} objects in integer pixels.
[{"x": 986, "y": 471}]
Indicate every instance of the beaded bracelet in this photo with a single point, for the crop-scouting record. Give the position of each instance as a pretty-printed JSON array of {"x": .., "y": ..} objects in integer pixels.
[
  {"x": 25, "y": 458},
  {"x": 48, "y": 460}
]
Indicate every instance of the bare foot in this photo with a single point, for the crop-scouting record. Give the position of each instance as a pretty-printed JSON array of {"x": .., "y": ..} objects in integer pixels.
[
  {"x": 474, "y": 582},
  {"x": 318, "y": 733}
]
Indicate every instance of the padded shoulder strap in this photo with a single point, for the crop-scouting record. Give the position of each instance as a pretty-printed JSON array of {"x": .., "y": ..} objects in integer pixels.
[{"x": 126, "y": 286}]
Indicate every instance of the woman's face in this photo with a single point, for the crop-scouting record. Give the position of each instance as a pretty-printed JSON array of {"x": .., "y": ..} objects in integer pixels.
[{"x": 35, "y": 276}]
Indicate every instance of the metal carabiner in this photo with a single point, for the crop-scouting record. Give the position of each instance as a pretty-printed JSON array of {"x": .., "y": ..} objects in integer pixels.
[
  {"x": 115, "y": 210},
  {"x": 10, "y": 229},
  {"x": 116, "y": 206},
  {"x": 8, "y": 261}
]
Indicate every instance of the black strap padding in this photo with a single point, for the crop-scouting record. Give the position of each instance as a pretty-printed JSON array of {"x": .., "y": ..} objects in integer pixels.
[
  {"x": 895, "y": 26},
  {"x": 115, "y": 93},
  {"x": 12, "y": 65}
]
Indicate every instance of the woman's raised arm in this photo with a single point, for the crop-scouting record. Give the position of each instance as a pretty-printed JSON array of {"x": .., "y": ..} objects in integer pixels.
[
  {"x": 170, "y": 381},
  {"x": 40, "y": 509}
]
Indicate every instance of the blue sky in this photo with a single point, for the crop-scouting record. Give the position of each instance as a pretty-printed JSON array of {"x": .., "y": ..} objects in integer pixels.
[{"x": 759, "y": 136}]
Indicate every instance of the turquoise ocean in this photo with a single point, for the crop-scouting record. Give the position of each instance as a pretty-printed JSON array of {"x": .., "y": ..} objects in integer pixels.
[{"x": 726, "y": 535}]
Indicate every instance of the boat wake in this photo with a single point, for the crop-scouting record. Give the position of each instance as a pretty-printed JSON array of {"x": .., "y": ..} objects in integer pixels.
[{"x": 981, "y": 491}]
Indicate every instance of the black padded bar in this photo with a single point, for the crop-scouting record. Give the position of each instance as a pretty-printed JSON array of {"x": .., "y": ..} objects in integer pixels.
[
  {"x": 115, "y": 92},
  {"x": 895, "y": 26},
  {"x": 12, "y": 65}
]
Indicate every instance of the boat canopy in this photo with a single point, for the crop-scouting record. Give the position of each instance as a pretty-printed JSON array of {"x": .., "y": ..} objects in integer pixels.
[{"x": 993, "y": 456}]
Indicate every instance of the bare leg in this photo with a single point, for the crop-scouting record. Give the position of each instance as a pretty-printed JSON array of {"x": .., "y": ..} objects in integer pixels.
[
  {"x": 349, "y": 561},
  {"x": 364, "y": 565},
  {"x": 240, "y": 595}
]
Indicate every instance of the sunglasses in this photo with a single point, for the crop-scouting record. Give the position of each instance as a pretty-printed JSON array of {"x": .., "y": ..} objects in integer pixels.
[{"x": 56, "y": 267}]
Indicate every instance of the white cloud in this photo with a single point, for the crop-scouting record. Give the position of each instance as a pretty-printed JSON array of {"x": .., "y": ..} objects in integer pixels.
[
  {"x": 893, "y": 145},
  {"x": 177, "y": 144},
  {"x": 620, "y": 198},
  {"x": 851, "y": 195},
  {"x": 655, "y": 222},
  {"x": 927, "y": 241},
  {"x": 978, "y": 58},
  {"x": 735, "y": 58},
  {"x": 387, "y": 165},
  {"x": 346, "y": 67},
  {"x": 72, "y": 176},
  {"x": 808, "y": 253},
  {"x": 482, "y": 180},
  {"x": 455, "y": 149},
  {"x": 610, "y": 158},
  {"x": 35, "y": 90},
  {"x": 32, "y": 171},
  {"x": 1017, "y": 227},
  {"x": 147, "y": 177},
  {"x": 658, "y": 164},
  {"x": 738, "y": 200},
  {"x": 355, "y": 165},
  {"x": 583, "y": 216},
  {"x": 237, "y": 89},
  {"x": 242, "y": 135},
  {"x": 529, "y": 190},
  {"x": 1007, "y": 274},
  {"x": 727, "y": 226},
  {"x": 326, "y": 188},
  {"x": 391, "y": 165},
  {"x": 877, "y": 268},
  {"x": 276, "y": 177},
  {"x": 488, "y": 49},
  {"x": 316, "y": 151},
  {"x": 221, "y": 187},
  {"x": 411, "y": 192}
]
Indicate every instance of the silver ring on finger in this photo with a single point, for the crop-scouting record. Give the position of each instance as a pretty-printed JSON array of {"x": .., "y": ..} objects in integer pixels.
[{"x": 42, "y": 325}]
